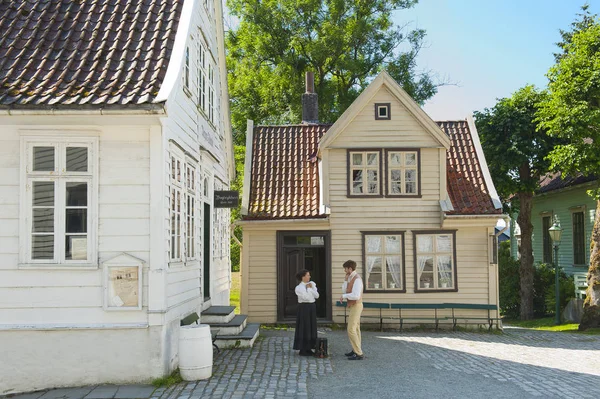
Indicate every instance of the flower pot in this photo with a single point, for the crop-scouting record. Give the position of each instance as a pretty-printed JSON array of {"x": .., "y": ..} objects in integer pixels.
[
  {"x": 376, "y": 285},
  {"x": 425, "y": 285}
]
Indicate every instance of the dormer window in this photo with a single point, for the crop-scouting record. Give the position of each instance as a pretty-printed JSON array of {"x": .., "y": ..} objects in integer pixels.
[{"x": 382, "y": 111}]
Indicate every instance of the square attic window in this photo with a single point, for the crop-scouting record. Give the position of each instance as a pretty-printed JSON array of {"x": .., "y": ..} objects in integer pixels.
[{"x": 382, "y": 111}]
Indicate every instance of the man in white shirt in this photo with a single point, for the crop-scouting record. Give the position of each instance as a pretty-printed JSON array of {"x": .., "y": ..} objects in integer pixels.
[{"x": 352, "y": 292}]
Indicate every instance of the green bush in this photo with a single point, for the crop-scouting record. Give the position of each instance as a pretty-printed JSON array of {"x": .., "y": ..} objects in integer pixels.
[
  {"x": 508, "y": 268},
  {"x": 543, "y": 286}
]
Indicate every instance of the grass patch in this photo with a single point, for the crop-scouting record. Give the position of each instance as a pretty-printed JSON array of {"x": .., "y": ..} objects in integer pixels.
[
  {"x": 547, "y": 324},
  {"x": 234, "y": 295},
  {"x": 174, "y": 378},
  {"x": 276, "y": 327}
]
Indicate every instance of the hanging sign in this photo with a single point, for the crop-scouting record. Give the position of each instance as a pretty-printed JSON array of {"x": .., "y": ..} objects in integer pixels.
[{"x": 227, "y": 199}]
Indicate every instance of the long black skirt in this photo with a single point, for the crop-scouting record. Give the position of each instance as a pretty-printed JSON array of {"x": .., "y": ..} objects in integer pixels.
[{"x": 305, "y": 338}]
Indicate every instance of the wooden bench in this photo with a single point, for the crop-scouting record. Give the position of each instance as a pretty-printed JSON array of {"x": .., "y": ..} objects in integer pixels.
[
  {"x": 435, "y": 317},
  {"x": 420, "y": 306},
  {"x": 581, "y": 285},
  {"x": 367, "y": 305},
  {"x": 471, "y": 306}
]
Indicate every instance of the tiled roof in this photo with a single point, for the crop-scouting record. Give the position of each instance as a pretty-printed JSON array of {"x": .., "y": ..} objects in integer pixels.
[
  {"x": 285, "y": 172},
  {"x": 88, "y": 52},
  {"x": 285, "y": 176},
  {"x": 466, "y": 184},
  {"x": 554, "y": 181}
]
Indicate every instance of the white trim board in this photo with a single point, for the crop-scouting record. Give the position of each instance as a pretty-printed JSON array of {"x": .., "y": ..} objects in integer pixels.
[{"x": 483, "y": 163}]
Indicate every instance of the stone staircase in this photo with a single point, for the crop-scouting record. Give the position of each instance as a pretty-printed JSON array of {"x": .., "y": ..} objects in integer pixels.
[{"x": 232, "y": 330}]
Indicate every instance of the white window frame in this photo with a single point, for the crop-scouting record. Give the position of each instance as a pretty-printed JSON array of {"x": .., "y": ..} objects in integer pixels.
[
  {"x": 183, "y": 186},
  {"x": 60, "y": 176},
  {"x": 383, "y": 253},
  {"x": 403, "y": 167},
  {"x": 364, "y": 168},
  {"x": 202, "y": 76},
  {"x": 187, "y": 70},
  {"x": 435, "y": 281}
]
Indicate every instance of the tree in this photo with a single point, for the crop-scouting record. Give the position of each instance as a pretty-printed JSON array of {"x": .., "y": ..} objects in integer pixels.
[
  {"x": 571, "y": 111},
  {"x": 344, "y": 42},
  {"x": 516, "y": 149}
]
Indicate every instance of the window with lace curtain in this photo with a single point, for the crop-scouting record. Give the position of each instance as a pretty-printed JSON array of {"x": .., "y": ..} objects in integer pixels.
[
  {"x": 383, "y": 255},
  {"x": 435, "y": 261}
]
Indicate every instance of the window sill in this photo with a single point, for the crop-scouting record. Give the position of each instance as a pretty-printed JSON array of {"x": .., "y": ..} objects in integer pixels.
[
  {"x": 429, "y": 290},
  {"x": 55, "y": 266},
  {"x": 384, "y": 291}
]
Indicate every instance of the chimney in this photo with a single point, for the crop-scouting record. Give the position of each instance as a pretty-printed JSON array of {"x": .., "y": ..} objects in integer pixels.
[{"x": 310, "y": 103}]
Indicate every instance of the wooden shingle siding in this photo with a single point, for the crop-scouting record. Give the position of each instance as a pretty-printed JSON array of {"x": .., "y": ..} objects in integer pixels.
[{"x": 402, "y": 130}]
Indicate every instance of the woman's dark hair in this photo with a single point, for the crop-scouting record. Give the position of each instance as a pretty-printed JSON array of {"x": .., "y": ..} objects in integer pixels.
[
  {"x": 349, "y": 264},
  {"x": 301, "y": 274}
]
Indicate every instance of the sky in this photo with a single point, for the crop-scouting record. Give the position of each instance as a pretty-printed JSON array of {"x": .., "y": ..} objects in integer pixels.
[{"x": 489, "y": 48}]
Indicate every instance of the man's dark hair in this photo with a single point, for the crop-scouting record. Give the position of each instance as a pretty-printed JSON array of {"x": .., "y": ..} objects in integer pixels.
[{"x": 350, "y": 264}]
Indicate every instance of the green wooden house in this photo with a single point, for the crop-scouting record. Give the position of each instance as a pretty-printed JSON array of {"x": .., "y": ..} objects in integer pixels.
[{"x": 568, "y": 201}]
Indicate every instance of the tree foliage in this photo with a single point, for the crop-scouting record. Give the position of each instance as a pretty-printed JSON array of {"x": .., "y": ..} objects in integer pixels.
[
  {"x": 344, "y": 42},
  {"x": 516, "y": 150},
  {"x": 571, "y": 111}
]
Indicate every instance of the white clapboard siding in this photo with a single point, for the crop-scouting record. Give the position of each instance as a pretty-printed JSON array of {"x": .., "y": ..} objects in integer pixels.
[{"x": 69, "y": 315}]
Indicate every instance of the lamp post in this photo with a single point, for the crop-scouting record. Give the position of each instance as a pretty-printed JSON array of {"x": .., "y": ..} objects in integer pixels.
[{"x": 555, "y": 234}]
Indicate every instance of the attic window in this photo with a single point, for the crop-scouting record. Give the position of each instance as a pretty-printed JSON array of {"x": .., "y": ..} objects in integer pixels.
[{"x": 382, "y": 111}]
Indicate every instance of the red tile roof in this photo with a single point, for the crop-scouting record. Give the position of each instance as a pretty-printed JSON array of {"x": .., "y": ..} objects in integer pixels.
[
  {"x": 285, "y": 176},
  {"x": 88, "y": 52},
  {"x": 466, "y": 184},
  {"x": 285, "y": 172}
]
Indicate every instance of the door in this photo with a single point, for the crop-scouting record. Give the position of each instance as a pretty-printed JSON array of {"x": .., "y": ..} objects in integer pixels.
[
  {"x": 207, "y": 246},
  {"x": 297, "y": 251}
]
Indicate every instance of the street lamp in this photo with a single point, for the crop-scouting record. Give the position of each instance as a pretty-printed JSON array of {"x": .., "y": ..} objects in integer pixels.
[{"x": 555, "y": 234}]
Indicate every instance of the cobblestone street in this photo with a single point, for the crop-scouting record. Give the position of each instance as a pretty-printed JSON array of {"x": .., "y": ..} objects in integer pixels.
[{"x": 519, "y": 363}]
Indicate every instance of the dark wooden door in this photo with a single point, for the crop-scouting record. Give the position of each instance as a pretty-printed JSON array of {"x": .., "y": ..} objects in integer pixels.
[
  {"x": 207, "y": 246},
  {"x": 294, "y": 262},
  {"x": 297, "y": 251}
]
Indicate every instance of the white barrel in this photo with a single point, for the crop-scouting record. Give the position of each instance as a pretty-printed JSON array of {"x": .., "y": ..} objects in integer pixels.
[{"x": 195, "y": 352}]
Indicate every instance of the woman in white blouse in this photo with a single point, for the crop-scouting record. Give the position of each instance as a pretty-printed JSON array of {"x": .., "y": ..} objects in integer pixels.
[{"x": 305, "y": 338}]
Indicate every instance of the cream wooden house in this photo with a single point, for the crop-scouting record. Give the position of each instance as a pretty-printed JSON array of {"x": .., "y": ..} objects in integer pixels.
[
  {"x": 114, "y": 137},
  {"x": 411, "y": 200}
]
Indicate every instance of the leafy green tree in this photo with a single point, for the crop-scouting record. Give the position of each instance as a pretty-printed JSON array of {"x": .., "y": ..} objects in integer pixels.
[
  {"x": 344, "y": 42},
  {"x": 237, "y": 184},
  {"x": 571, "y": 111},
  {"x": 516, "y": 149}
]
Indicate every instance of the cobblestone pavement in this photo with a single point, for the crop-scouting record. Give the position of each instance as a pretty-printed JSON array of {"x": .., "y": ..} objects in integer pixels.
[{"x": 518, "y": 363}]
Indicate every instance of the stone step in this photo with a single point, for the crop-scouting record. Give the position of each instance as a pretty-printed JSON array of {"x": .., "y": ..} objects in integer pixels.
[
  {"x": 217, "y": 314},
  {"x": 243, "y": 340},
  {"x": 234, "y": 327}
]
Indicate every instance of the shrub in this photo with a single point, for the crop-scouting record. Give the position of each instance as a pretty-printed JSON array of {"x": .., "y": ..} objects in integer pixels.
[{"x": 543, "y": 286}]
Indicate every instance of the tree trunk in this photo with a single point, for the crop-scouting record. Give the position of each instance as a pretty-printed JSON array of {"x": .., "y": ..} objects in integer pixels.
[
  {"x": 526, "y": 252},
  {"x": 591, "y": 306}
]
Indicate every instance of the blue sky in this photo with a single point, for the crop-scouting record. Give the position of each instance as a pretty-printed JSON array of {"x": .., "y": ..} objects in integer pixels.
[{"x": 490, "y": 48}]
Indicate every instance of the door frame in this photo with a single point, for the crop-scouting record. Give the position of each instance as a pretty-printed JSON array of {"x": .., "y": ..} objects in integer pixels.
[{"x": 280, "y": 260}]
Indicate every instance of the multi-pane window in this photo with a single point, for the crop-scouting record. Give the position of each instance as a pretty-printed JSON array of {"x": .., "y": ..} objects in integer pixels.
[
  {"x": 402, "y": 172},
  {"x": 384, "y": 266},
  {"x": 211, "y": 93},
  {"x": 186, "y": 69},
  {"x": 202, "y": 77},
  {"x": 175, "y": 208},
  {"x": 578, "y": 238},
  {"x": 60, "y": 185},
  {"x": 183, "y": 210},
  {"x": 435, "y": 264},
  {"x": 364, "y": 173},
  {"x": 546, "y": 241}
]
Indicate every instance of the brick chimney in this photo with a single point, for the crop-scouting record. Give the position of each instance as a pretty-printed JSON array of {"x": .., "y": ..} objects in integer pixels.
[{"x": 310, "y": 103}]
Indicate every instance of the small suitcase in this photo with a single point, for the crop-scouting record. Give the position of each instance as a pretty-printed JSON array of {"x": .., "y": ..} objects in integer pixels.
[{"x": 321, "y": 348}]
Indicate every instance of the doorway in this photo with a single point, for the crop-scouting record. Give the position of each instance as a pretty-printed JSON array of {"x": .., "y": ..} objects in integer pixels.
[
  {"x": 207, "y": 247},
  {"x": 297, "y": 250}
]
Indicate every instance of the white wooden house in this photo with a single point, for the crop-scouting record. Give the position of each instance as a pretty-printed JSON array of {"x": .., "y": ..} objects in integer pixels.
[
  {"x": 409, "y": 199},
  {"x": 114, "y": 136}
]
